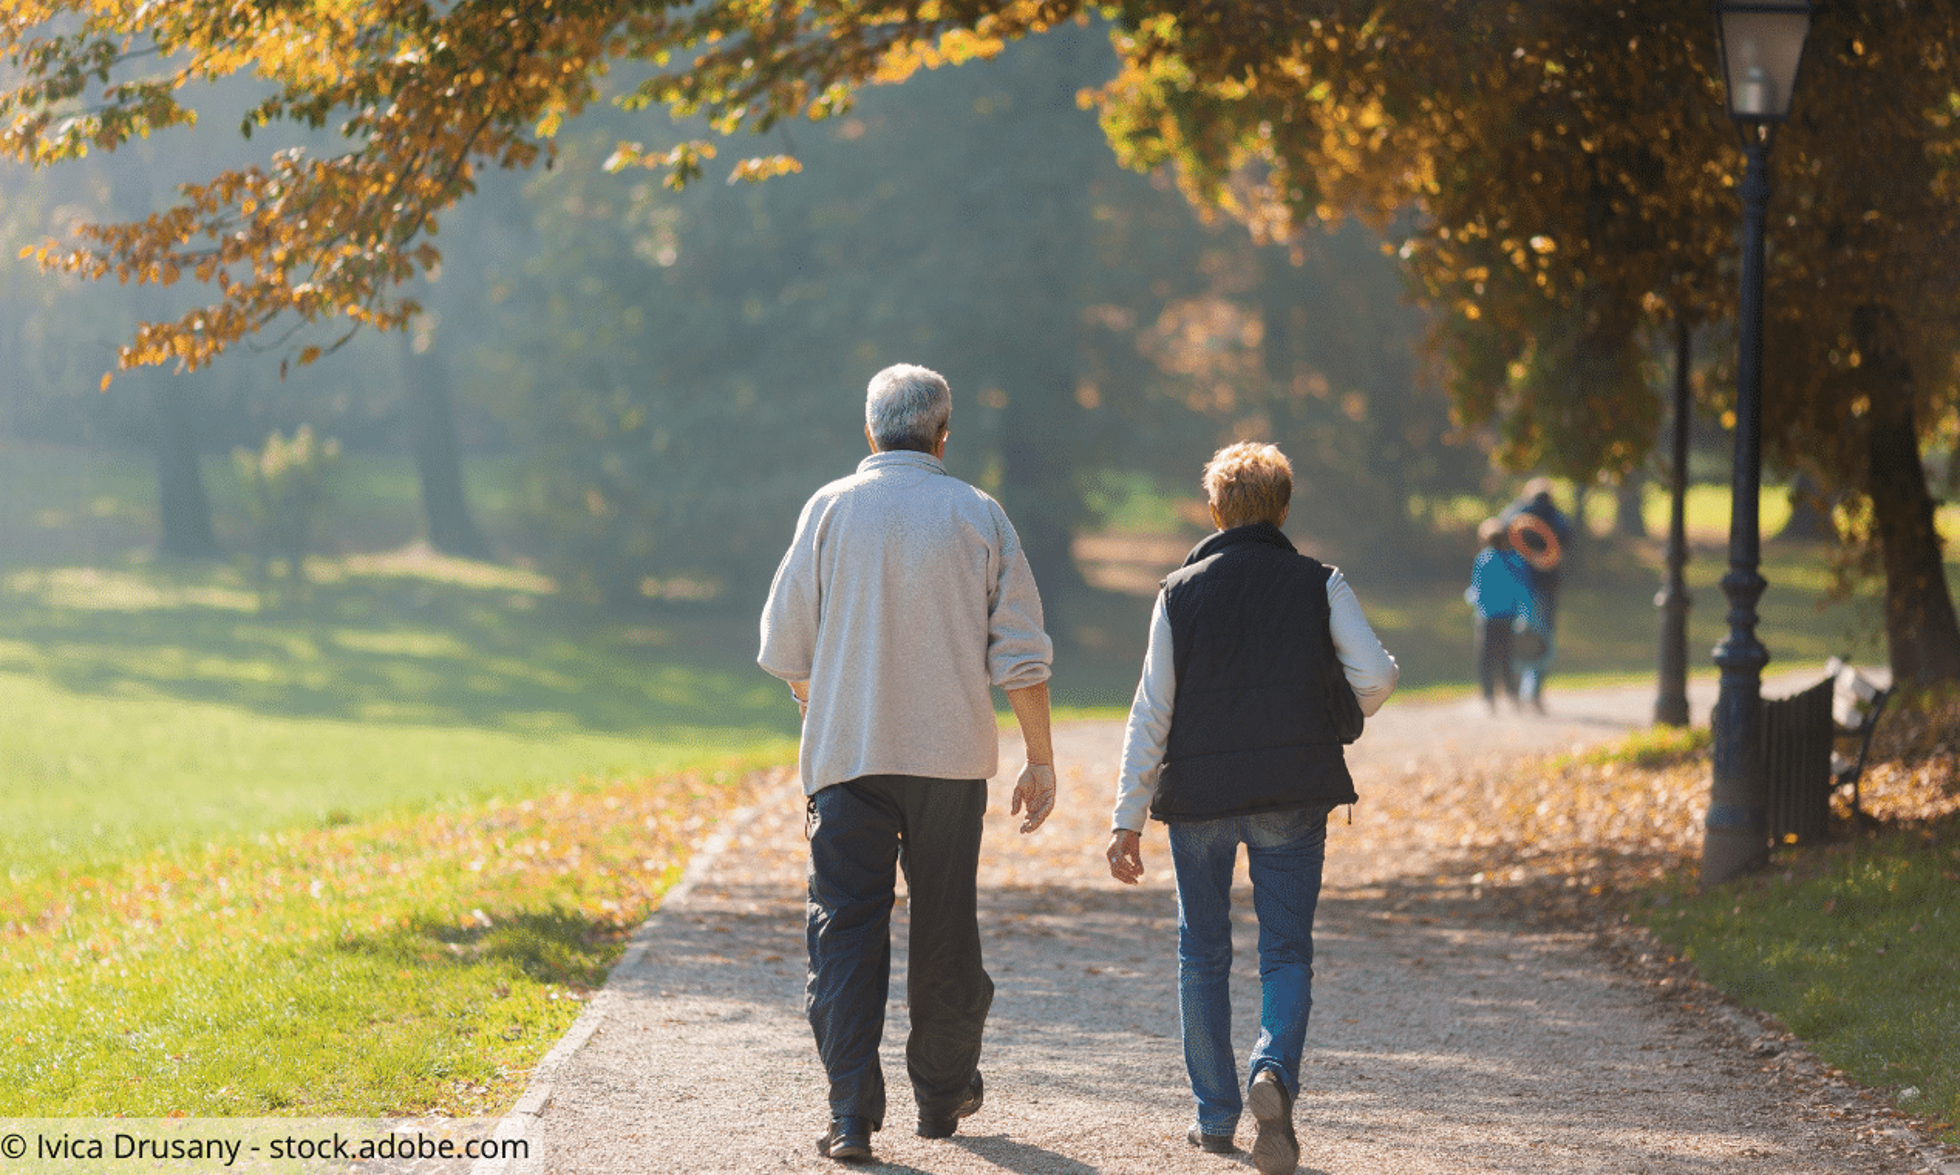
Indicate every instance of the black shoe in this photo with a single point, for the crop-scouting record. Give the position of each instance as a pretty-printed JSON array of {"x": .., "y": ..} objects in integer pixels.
[
  {"x": 943, "y": 1127},
  {"x": 1212, "y": 1144},
  {"x": 1275, "y": 1151},
  {"x": 849, "y": 1140}
]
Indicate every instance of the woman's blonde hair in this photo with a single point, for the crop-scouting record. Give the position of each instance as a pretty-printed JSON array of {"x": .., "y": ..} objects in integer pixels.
[{"x": 1249, "y": 482}]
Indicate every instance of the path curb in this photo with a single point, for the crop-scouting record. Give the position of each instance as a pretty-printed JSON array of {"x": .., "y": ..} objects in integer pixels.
[{"x": 516, "y": 1125}]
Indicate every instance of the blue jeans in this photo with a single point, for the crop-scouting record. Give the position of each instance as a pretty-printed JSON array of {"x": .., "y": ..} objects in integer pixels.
[{"x": 1285, "y": 851}]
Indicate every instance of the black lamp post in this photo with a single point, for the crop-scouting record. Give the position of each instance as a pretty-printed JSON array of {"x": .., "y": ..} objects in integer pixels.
[
  {"x": 1671, "y": 704},
  {"x": 1762, "y": 48}
]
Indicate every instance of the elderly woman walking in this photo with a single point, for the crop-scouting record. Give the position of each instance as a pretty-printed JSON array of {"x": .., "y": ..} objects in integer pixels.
[{"x": 1235, "y": 737}]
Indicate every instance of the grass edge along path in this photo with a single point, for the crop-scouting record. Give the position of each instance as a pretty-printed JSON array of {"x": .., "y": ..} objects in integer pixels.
[
  {"x": 1846, "y": 945},
  {"x": 1849, "y": 947},
  {"x": 404, "y": 964}
]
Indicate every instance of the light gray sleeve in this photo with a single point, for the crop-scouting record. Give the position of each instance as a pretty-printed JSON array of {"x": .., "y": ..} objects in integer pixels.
[
  {"x": 1368, "y": 666},
  {"x": 1149, "y": 727},
  {"x": 789, "y": 616},
  {"x": 1019, "y": 653}
]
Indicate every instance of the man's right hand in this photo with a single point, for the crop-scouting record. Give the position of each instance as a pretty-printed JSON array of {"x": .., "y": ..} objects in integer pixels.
[{"x": 1034, "y": 792}]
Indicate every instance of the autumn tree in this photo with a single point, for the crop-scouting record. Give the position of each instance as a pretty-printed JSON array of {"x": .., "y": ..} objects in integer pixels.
[
  {"x": 1569, "y": 170},
  {"x": 646, "y": 329},
  {"x": 420, "y": 99},
  {"x": 658, "y": 356},
  {"x": 1574, "y": 179}
]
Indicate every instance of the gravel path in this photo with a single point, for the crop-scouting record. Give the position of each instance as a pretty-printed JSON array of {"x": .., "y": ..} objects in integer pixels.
[{"x": 1443, "y": 1039}]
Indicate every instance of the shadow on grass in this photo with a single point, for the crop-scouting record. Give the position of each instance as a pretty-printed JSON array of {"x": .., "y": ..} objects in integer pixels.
[
  {"x": 403, "y": 649},
  {"x": 550, "y": 946},
  {"x": 395, "y": 649}
]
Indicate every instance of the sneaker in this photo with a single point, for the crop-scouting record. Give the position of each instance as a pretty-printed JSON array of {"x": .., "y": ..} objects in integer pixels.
[
  {"x": 1212, "y": 1144},
  {"x": 943, "y": 1127},
  {"x": 848, "y": 1140},
  {"x": 1275, "y": 1151}
]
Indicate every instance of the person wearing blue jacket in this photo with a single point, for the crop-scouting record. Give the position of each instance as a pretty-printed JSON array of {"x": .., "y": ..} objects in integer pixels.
[
  {"x": 1543, "y": 537},
  {"x": 1500, "y": 591}
]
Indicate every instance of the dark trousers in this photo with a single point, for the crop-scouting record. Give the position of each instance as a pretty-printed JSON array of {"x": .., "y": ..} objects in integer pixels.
[
  {"x": 1495, "y": 668},
  {"x": 860, "y": 832}
]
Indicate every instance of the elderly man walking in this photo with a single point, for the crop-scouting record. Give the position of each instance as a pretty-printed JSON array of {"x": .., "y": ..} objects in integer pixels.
[
  {"x": 1235, "y": 737},
  {"x": 903, "y": 598}
]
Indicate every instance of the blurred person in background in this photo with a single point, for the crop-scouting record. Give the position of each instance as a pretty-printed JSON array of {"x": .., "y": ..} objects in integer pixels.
[
  {"x": 1500, "y": 593},
  {"x": 1542, "y": 534}
]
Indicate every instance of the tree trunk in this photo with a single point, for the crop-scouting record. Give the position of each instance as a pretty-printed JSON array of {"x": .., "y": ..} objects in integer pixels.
[
  {"x": 1921, "y": 631},
  {"x": 1038, "y": 488},
  {"x": 1038, "y": 365},
  {"x": 446, "y": 518},
  {"x": 183, "y": 508}
]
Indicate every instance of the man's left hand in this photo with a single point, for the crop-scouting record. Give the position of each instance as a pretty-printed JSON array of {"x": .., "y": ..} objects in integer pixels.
[{"x": 1034, "y": 793}]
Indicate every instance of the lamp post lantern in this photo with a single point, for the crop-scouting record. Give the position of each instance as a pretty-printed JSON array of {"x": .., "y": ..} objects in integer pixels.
[{"x": 1761, "y": 50}]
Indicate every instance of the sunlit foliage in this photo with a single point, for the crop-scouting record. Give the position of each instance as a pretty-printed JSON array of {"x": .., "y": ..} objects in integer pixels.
[
  {"x": 1568, "y": 164},
  {"x": 1574, "y": 179}
]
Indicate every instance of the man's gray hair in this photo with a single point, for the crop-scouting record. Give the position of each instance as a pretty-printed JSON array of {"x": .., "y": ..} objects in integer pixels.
[{"x": 907, "y": 407}]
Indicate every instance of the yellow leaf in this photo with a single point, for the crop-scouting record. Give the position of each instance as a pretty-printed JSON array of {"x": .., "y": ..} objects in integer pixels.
[
  {"x": 625, "y": 155},
  {"x": 106, "y": 377}
]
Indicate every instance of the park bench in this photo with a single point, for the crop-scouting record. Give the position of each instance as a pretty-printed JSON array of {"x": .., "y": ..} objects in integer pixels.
[{"x": 1801, "y": 760}]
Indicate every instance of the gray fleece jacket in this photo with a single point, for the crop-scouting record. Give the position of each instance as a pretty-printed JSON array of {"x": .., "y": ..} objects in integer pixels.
[{"x": 903, "y": 596}]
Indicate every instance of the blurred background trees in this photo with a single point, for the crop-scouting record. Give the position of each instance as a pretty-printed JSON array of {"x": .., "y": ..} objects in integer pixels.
[
  {"x": 673, "y": 370},
  {"x": 1574, "y": 183}
]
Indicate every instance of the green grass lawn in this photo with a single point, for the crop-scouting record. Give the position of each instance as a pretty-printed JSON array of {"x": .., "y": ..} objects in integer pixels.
[
  {"x": 161, "y": 707},
  {"x": 1851, "y": 942},
  {"x": 359, "y": 853},
  {"x": 390, "y": 965},
  {"x": 419, "y": 810},
  {"x": 1848, "y": 942},
  {"x": 1852, "y": 948}
]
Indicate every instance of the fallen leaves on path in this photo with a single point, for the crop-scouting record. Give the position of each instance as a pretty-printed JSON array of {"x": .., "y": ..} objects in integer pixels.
[{"x": 1562, "y": 837}]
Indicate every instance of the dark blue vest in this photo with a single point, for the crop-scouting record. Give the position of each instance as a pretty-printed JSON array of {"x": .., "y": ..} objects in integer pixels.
[{"x": 1250, "y": 730}]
